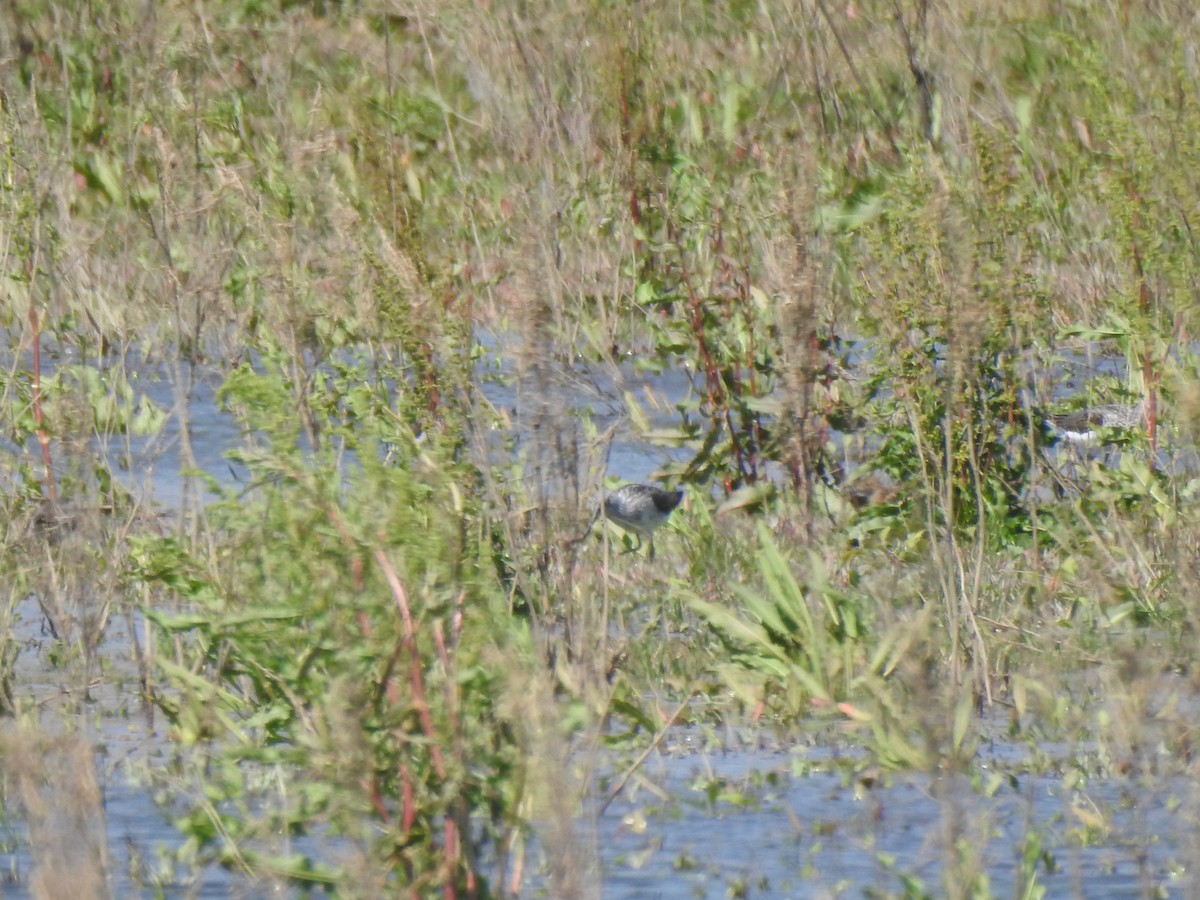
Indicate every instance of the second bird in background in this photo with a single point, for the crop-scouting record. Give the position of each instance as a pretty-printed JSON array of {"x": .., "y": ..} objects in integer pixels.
[
  {"x": 1089, "y": 425},
  {"x": 641, "y": 508}
]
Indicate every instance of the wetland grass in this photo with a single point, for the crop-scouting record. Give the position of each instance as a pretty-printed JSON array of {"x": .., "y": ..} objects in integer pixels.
[{"x": 750, "y": 220}]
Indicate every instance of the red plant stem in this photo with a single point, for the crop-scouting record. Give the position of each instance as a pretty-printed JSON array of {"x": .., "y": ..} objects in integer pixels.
[
  {"x": 1149, "y": 378},
  {"x": 717, "y": 395},
  {"x": 439, "y": 640},
  {"x": 457, "y": 621},
  {"x": 416, "y": 676},
  {"x": 417, "y": 688},
  {"x": 451, "y": 851},
  {"x": 377, "y": 803},
  {"x": 43, "y": 436},
  {"x": 409, "y": 814}
]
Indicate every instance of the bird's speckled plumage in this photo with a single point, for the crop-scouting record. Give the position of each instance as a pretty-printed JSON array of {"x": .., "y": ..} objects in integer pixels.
[{"x": 641, "y": 508}]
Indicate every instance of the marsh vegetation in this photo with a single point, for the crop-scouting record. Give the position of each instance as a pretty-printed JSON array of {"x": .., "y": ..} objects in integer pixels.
[{"x": 430, "y": 270}]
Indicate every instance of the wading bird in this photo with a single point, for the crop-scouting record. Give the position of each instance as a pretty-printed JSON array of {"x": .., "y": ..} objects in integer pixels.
[
  {"x": 640, "y": 508},
  {"x": 1087, "y": 426}
]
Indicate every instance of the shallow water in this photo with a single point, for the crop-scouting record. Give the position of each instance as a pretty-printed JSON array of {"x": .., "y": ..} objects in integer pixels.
[
  {"x": 746, "y": 822},
  {"x": 824, "y": 834},
  {"x": 163, "y": 472}
]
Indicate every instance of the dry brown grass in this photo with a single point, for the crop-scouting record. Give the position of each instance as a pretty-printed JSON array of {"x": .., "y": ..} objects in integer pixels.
[{"x": 53, "y": 779}]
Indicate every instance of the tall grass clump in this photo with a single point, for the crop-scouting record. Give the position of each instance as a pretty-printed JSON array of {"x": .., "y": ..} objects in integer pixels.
[{"x": 344, "y": 650}]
